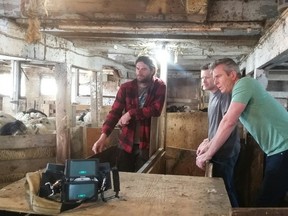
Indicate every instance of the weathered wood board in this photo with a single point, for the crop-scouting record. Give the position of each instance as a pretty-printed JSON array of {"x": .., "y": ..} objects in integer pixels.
[
  {"x": 259, "y": 211},
  {"x": 186, "y": 130},
  {"x": 27, "y": 141},
  {"x": 249, "y": 172},
  {"x": 76, "y": 147},
  {"x": 91, "y": 135},
  {"x": 182, "y": 162},
  {"x": 155, "y": 164},
  {"x": 22, "y": 154},
  {"x": 142, "y": 194}
]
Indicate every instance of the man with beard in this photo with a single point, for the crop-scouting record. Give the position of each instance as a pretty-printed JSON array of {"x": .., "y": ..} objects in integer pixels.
[{"x": 136, "y": 102}]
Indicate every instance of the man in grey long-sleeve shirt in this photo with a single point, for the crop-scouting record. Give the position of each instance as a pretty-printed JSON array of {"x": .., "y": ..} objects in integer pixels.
[{"x": 225, "y": 159}]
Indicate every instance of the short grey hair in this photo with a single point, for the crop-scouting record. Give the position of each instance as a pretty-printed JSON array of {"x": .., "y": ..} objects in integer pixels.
[{"x": 229, "y": 65}]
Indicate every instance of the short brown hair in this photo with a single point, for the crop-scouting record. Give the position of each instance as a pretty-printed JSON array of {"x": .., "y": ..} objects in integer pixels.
[{"x": 205, "y": 67}]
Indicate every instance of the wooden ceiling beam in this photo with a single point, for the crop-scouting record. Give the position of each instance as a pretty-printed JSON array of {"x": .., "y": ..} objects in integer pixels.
[
  {"x": 177, "y": 27},
  {"x": 197, "y": 9},
  {"x": 88, "y": 36},
  {"x": 194, "y": 11}
]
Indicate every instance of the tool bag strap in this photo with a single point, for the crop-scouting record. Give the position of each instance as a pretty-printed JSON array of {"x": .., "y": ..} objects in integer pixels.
[
  {"x": 39, "y": 204},
  {"x": 42, "y": 205}
]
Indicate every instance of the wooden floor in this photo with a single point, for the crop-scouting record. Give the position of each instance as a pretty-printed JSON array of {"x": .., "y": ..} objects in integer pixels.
[{"x": 142, "y": 194}]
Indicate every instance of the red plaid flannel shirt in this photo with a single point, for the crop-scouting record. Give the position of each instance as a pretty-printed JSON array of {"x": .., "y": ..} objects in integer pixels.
[{"x": 127, "y": 100}]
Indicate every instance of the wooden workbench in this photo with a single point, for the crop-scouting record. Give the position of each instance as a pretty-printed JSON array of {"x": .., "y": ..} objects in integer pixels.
[{"x": 142, "y": 194}]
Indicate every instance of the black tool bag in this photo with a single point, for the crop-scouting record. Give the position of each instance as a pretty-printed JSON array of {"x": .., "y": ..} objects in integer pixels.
[
  {"x": 51, "y": 180},
  {"x": 60, "y": 187}
]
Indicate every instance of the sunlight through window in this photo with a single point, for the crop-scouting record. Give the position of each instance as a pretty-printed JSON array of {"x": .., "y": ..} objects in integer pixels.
[
  {"x": 5, "y": 84},
  {"x": 48, "y": 86}
]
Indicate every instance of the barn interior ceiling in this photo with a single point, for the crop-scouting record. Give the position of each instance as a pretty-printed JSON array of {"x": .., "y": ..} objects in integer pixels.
[{"x": 194, "y": 32}]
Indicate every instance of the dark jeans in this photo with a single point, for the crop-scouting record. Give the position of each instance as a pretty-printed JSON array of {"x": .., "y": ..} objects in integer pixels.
[
  {"x": 131, "y": 162},
  {"x": 224, "y": 168},
  {"x": 275, "y": 182}
]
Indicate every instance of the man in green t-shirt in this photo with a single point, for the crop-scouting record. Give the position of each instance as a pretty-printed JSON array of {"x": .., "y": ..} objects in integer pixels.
[{"x": 263, "y": 117}]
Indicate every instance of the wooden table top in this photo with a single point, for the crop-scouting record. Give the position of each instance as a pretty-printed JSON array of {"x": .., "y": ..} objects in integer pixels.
[{"x": 142, "y": 194}]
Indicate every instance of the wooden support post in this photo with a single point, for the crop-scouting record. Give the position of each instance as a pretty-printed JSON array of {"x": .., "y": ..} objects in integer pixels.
[
  {"x": 99, "y": 97},
  {"x": 63, "y": 112},
  {"x": 163, "y": 117},
  {"x": 96, "y": 97},
  {"x": 16, "y": 85}
]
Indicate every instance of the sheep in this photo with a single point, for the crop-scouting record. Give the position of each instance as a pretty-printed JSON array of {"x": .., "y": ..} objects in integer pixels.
[
  {"x": 5, "y": 118},
  {"x": 13, "y": 128}
]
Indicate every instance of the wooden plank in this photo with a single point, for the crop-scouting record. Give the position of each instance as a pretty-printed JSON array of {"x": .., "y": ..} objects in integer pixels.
[
  {"x": 82, "y": 107},
  {"x": 96, "y": 94},
  {"x": 19, "y": 166},
  {"x": 22, "y": 154},
  {"x": 77, "y": 139},
  {"x": 27, "y": 141},
  {"x": 91, "y": 136},
  {"x": 197, "y": 7},
  {"x": 182, "y": 162},
  {"x": 259, "y": 211},
  {"x": 27, "y": 153},
  {"x": 186, "y": 130},
  {"x": 14, "y": 170},
  {"x": 94, "y": 6},
  {"x": 142, "y": 194},
  {"x": 108, "y": 155},
  {"x": 159, "y": 166},
  {"x": 8, "y": 198},
  {"x": 63, "y": 112},
  {"x": 154, "y": 135},
  {"x": 249, "y": 172},
  {"x": 151, "y": 162}
]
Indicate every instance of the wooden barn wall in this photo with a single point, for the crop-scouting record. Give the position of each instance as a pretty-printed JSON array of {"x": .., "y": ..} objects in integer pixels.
[
  {"x": 249, "y": 172},
  {"x": 83, "y": 138},
  {"x": 186, "y": 130},
  {"x": 91, "y": 135},
  {"x": 184, "y": 133}
]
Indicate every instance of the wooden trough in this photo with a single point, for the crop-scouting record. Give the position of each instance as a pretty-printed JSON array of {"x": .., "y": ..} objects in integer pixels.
[{"x": 184, "y": 132}]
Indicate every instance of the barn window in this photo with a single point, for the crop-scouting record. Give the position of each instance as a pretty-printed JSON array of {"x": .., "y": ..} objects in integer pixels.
[
  {"x": 48, "y": 86},
  {"x": 22, "y": 86},
  {"x": 5, "y": 84},
  {"x": 84, "y": 83}
]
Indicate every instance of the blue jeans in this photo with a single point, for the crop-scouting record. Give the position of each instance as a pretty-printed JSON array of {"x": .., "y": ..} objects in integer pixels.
[
  {"x": 275, "y": 182},
  {"x": 224, "y": 168}
]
